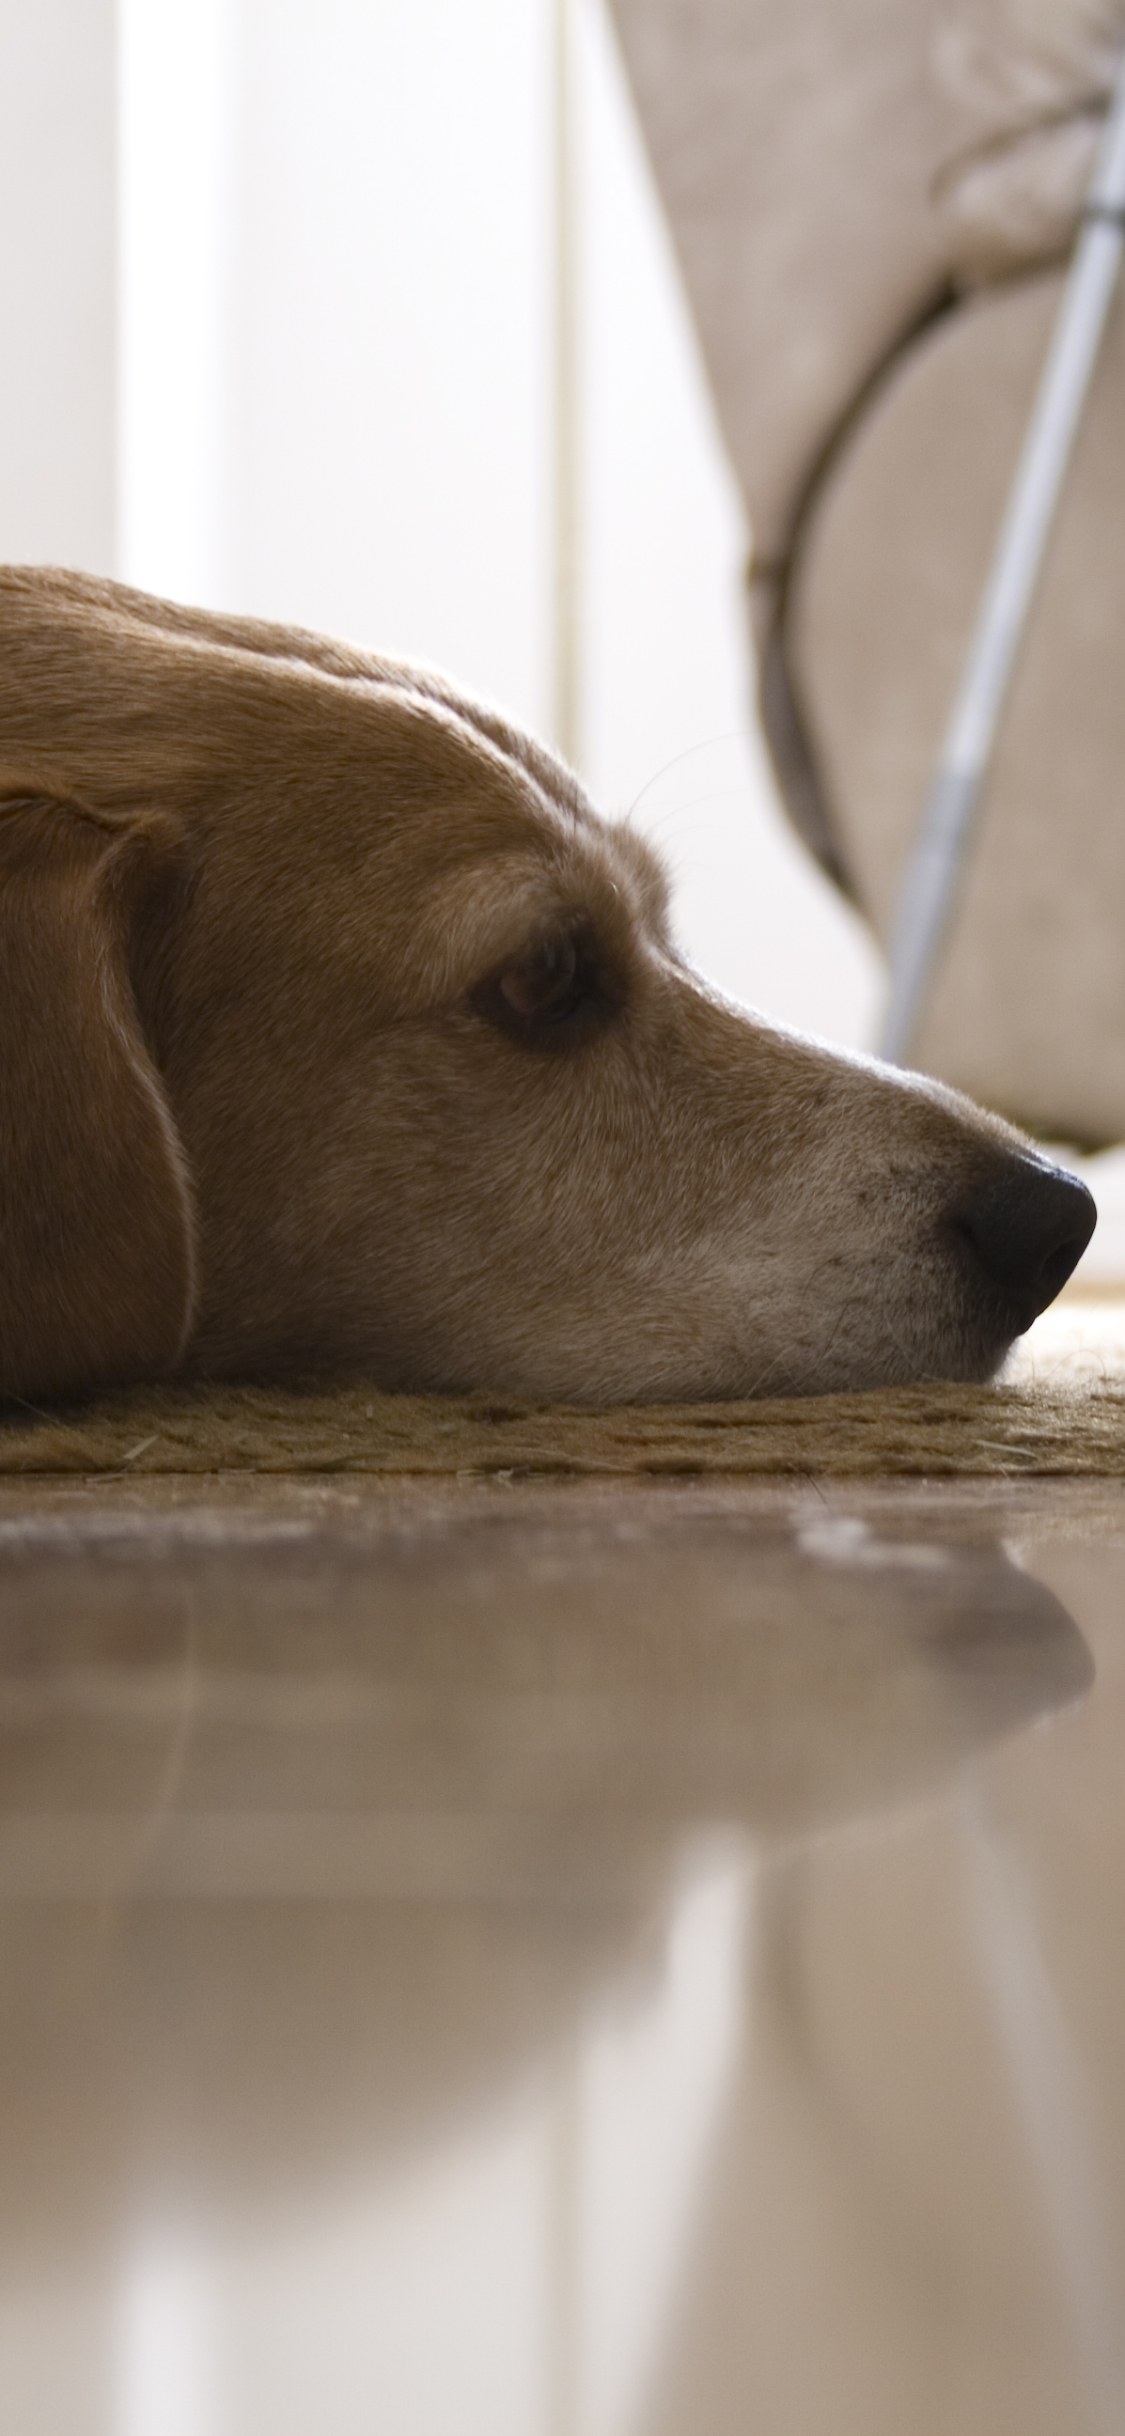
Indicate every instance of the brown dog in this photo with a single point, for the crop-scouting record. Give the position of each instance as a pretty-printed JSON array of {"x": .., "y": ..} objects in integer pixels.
[{"x": 338, "y": 1033}]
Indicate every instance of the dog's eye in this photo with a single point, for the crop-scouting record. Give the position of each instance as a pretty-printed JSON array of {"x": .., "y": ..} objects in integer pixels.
[
  {"x": 550, "y": 995},
  {"x": 543, "y": 987}
]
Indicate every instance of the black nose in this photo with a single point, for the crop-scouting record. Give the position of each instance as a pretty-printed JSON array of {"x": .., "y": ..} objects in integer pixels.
[{"x": 1028, "y": 1226}]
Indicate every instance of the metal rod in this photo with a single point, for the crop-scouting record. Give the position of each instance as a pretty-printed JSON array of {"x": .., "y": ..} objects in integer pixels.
[{"x": 935, "y": 862}]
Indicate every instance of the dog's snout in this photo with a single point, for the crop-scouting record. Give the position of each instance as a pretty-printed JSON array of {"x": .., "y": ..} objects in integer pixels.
[{"x": 1028, "y": 1225}]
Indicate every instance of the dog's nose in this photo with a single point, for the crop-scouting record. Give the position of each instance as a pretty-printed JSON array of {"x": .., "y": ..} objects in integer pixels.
[{"x": 1028, "y": 1225}]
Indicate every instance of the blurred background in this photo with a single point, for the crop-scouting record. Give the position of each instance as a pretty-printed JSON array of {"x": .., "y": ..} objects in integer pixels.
[{"x": 366, "y": 316}]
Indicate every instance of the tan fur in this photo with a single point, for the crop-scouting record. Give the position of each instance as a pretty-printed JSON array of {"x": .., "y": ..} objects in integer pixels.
[{"x": 254, "y": 1121}]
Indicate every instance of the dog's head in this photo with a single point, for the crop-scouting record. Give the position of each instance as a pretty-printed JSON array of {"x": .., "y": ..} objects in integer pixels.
[{"x": 340, "y": 1032}]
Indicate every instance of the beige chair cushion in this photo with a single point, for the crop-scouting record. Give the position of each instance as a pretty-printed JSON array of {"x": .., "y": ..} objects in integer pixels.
[
  {"x": 868, "y": 197},
  {"x": 1028, "y": 1005}
]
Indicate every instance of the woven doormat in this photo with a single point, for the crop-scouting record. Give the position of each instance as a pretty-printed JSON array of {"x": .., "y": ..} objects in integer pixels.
[
  {"x": 903, "y": 1430},
  {"x": 1061, "y": 1410}
]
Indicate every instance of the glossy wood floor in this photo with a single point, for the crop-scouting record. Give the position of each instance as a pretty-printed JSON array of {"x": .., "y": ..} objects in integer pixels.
[{"x": 570, "y": 1962}]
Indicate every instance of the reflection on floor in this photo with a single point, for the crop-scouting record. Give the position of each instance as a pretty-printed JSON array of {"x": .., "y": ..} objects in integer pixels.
[{"x": 591, "y": 1961}]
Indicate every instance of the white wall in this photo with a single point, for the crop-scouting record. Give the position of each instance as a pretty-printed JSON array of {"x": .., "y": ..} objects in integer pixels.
[
  {"x": 57, "y": 282},
  {"x": 354, "y": 203}
]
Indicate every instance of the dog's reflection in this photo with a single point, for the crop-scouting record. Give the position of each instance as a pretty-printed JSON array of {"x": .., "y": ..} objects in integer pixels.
[{"x": 314, "y": 1840}]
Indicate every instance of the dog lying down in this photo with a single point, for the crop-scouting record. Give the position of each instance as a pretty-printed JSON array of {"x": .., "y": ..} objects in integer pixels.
[{"x": 339, "y": 1034}]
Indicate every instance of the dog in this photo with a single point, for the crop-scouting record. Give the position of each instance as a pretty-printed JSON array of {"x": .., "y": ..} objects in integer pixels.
[{"x": 340, "y": 1035}]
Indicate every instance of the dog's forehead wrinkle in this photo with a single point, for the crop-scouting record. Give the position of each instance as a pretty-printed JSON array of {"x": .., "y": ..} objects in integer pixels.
[
  {"x": 136, "y": 702},
  {"x": 536, "y": 874}
]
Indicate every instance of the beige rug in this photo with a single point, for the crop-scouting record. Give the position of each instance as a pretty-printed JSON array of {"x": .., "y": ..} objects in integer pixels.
[{"x": 1060, "y": 1409}]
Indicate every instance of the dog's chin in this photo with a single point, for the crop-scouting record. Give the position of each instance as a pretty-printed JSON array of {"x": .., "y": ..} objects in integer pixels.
[
  {"x": 964, "y": 1356},
  {"x": 969, "y": 1346},
  {"x": 970, "y": 1351}
]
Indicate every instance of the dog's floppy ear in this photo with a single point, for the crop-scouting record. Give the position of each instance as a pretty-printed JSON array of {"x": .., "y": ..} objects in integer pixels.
[{"x": 97, "y": 1269}]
